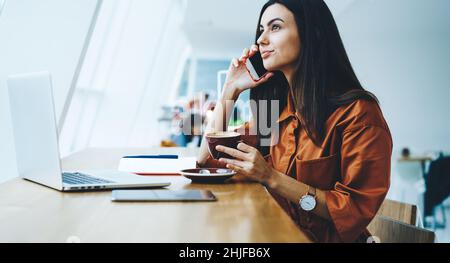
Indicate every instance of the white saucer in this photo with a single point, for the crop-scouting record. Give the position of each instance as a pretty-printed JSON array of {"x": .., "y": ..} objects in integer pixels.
[{"x": 208, "y": 175}]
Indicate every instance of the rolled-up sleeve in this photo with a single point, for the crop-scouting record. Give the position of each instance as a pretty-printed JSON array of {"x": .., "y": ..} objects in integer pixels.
[
  {"x": 365, "y": 170},
  {"x": 246, "y": 136}
]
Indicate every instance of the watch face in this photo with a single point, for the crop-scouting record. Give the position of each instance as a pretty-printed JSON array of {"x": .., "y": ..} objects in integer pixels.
[{"x": 308, "y": 203}]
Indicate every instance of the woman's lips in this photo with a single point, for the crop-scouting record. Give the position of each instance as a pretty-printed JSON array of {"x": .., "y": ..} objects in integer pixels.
[{"x": 266, "y": 54}]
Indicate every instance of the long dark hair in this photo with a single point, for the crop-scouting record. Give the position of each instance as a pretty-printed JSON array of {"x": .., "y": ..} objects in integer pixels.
[{"x": 324, "y": 78}]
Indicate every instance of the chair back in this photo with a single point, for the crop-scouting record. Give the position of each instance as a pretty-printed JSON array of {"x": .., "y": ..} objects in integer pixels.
[
  {"x": 392, "y": 231},
  {"x": 402, "y": 212}
]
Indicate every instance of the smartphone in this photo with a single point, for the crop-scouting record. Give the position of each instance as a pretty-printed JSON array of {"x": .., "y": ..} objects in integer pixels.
[
  {"x": 255, "y": 66},
  {"x": 161, "y": 196}
]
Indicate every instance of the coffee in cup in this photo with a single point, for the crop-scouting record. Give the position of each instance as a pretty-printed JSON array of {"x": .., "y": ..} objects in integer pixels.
[{"x": 225, "y": 138}]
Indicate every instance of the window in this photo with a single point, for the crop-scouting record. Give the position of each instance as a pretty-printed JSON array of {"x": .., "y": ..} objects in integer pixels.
[
  {"x": 2, "y": 4},
  {"x": 127, "y": 76},
  {"x": 200, "y": 75}
]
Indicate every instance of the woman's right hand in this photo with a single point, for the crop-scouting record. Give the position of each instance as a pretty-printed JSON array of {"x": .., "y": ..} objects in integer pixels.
[{"x": 238, "y": 77}]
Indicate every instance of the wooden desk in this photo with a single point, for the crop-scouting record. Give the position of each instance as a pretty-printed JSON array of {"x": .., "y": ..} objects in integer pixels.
[{"x": 244, "y": 212}]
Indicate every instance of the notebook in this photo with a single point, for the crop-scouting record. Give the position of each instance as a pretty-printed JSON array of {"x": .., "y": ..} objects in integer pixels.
[{"x": 156, "y": 164}]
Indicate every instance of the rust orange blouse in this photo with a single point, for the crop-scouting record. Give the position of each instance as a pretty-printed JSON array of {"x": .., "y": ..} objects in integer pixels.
[{"x": 352, "y": 166}]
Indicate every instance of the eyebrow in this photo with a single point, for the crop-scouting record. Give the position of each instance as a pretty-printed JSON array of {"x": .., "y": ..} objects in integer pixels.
[{"x": 273, "y": 20}]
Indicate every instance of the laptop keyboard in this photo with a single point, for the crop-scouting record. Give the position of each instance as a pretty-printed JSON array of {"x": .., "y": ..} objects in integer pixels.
[{"x": 78, "y": 178}]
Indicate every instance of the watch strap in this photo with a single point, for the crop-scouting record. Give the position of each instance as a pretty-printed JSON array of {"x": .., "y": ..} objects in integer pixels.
[{"x": 311, "y": 191}]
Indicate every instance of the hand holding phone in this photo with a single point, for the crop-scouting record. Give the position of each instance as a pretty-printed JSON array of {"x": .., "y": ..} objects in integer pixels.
[
  {"x": 248, "y": 71},
  {"x": 255, "y": 66}
]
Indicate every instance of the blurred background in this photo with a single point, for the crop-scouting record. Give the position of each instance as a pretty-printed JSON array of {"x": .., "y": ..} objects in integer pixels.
[{"x": 135, "y": 73}]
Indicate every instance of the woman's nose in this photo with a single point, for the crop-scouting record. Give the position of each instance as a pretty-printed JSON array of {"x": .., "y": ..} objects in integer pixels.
[{"x": 262, "y": 40}]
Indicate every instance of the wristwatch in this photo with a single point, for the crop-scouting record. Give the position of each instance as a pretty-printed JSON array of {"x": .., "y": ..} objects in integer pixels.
[{"x": 308, "y": 201}]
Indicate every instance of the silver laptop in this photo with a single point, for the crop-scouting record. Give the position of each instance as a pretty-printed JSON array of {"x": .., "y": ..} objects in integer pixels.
[{"x": 36, "y": 141}]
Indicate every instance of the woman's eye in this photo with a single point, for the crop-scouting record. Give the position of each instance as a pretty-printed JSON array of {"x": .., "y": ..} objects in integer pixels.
[{"x": 276, "y": 27}]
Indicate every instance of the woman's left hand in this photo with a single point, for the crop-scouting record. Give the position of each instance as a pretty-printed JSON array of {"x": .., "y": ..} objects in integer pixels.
[{"x": 249, "y": 163}]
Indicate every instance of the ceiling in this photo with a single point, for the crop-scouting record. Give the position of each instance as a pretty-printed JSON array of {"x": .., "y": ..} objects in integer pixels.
[
  {"x": 222, "y": 28},
  {"x": 397, "y": 19},
  {"x": 227, "y": 26}
]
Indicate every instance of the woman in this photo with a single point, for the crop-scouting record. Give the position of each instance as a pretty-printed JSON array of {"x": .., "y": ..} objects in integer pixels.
[{"x": 330, "y": 167}]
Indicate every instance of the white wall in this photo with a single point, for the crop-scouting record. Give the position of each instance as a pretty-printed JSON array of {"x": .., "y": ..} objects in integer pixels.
[
  {"x": 401, "y": 51},
  {"x": 35, "y": 36}
]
